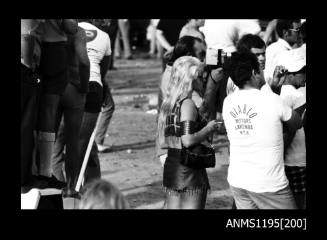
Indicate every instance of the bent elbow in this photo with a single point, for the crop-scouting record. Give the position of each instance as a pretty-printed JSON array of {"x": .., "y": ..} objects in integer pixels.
[{"x": 187, "y": 142}]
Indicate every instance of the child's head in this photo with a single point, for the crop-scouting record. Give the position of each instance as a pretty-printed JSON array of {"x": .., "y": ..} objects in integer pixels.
[{"x": 101, "y": 194}]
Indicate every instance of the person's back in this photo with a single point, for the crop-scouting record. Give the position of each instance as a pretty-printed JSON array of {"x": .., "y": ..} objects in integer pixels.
[
  {"x": 253, "y": 120},
  {"x": 73, "y": 64}
]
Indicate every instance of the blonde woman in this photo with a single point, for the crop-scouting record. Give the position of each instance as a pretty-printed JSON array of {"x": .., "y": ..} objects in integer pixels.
[{"x": 179, "y": 124}]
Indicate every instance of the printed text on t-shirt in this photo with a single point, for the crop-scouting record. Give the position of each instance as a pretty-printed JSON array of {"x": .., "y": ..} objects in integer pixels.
[{"x": 243, "y": 116}]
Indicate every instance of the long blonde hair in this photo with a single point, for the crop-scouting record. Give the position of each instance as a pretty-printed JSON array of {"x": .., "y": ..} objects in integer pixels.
[
  {"x": 101, "y": 194},
  {"x": 184, "y": 71}
]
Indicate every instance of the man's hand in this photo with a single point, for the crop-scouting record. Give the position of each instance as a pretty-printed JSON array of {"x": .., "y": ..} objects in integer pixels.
[
  {"x": 279, "y": 78},
  {"x": 217, "y": 75}
]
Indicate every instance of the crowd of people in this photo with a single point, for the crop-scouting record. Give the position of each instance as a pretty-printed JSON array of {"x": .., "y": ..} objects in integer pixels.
[{"x": 255, "y": 92}]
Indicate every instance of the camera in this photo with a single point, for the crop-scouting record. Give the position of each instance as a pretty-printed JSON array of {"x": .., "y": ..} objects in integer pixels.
[{"x": 215, "y": 58}]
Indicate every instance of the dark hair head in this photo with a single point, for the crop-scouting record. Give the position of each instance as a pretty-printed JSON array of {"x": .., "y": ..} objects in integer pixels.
[
  {"x": 184, "y": 47},
  {"x": 249, "y": 41},
  {"x": 242, "y": 66},
  {"x": 285, "y": 24},
  {"x": 303, "y": 32}
]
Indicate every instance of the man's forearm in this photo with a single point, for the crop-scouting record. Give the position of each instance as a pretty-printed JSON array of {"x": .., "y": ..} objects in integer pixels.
[
  {"x": 208, "y": 109},
  {"x": 288, "y": 139},
  {"x": 163, "y": 41}
]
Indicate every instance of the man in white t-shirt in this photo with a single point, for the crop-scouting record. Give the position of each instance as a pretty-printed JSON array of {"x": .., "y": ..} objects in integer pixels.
[
  {"x": 295, "y": 150},
  {"x": 254, "y": 123},
  {"x": 287, "y": 30},
  {"x": 99, "y": 51}
]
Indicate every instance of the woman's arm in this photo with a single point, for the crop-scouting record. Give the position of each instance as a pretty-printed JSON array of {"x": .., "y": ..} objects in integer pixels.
[{"x": 189, "y": 113}]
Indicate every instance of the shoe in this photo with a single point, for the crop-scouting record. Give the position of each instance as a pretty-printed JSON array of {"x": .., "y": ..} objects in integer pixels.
[
  {"x": 130, "y": 57},
  {"x": 103, "y": 148},
  {"x": 48, "y": 182},
  {"x": 70, "y": 193}
]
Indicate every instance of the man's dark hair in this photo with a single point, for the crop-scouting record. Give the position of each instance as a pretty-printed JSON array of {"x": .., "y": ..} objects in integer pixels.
[
  {"x": 183, "y": 47},
  {"x": 249, "y": 41},
  {"x": 242, "y": 66},
  {"x": 285, "y": 24},
  {"x": 303, "y": 32}
]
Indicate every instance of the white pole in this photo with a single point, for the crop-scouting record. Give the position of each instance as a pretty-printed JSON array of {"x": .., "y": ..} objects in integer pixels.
[{"x": 85, "y": 161}]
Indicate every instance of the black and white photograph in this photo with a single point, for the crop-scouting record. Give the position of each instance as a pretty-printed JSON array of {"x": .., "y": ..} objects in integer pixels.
[{"x": 164, "y": 114}]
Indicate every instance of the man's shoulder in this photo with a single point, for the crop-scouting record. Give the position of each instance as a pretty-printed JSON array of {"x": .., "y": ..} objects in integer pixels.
[{"x": 272, "y": 46}]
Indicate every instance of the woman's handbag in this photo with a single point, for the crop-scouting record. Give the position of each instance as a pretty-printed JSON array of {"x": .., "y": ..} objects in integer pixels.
[{"x": 198, "y": 157}]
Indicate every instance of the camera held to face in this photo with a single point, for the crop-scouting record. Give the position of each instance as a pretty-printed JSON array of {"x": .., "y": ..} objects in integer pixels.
[{"x": 216, "y": 58}]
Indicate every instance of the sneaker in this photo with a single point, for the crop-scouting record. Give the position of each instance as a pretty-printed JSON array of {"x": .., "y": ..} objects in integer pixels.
[{"x": 103, "y": 148}]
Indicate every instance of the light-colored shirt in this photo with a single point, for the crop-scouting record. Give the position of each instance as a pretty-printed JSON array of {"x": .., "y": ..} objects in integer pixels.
[
  {"x": 272, "y": 54},
  {"x": 98, "y": 46},
  {"x": 296, "y": 152},
  {"x": 189, "y": 31},
  {"x": 30, "y": 51},
  {"x": 225, "y": 33},
  {"x": 253, "y": 121}
]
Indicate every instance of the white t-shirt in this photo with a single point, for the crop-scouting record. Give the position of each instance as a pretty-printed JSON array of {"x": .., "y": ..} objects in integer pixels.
[
  {"x": 272, "y": 55},
  {"x": 98, "y": 46},
  {"x": 253, "y": 121},
  {"x": 225, "y": 33},
  {"x": 296, "y": 152}
]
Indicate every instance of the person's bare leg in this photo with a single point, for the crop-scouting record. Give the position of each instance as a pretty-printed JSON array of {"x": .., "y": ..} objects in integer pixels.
[
  {"x": 124, "y": 27},
  {"x": 153, "y": 41},
  {"x": 194, "y": 201},
  {"x": 159, "y": 49},
  {"x": 173, "y": 201},
  {"x": 117, "y": 49}
]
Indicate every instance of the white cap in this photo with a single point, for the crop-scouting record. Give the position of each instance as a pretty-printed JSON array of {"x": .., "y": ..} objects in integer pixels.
[{"x": 293, "y": 60}]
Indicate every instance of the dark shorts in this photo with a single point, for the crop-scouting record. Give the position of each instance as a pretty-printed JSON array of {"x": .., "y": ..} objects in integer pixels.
[
  {"x": 94, "y": 98},
  {"x": 53, "y": 67},
  {"x": 297, "y": 178},
  {"x": 181, "y": 179}
]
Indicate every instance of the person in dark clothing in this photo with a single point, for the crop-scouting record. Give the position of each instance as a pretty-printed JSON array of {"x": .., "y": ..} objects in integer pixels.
[
  {"x": 110, "y": 26},
  {"x": 53, "y": 70},
  {"x": 30, "y": 89},
  {"x": 70, "y": 112},
  {"x": 168, "y": 31}
]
